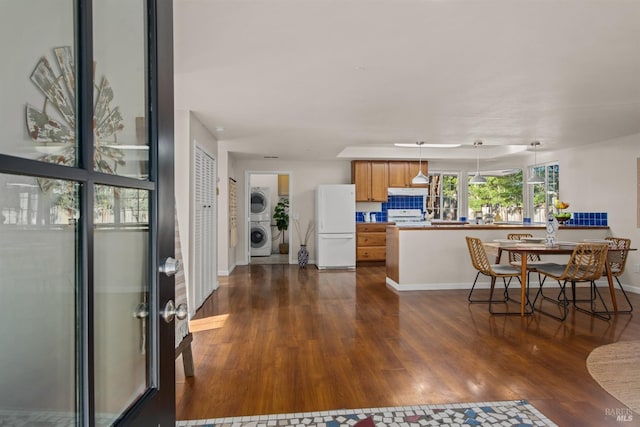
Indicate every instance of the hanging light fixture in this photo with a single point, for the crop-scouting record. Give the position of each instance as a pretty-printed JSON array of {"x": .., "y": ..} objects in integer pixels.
[
  {"x": 477, "y": 178},
  {"x": 535, "y": 178},
  {"x": 420, "y": 178}
]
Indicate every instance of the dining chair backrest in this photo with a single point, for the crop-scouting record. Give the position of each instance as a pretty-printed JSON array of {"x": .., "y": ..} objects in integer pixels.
[
  {"x": 618, "y": 259},
  {"x": 479, "y": 257},
  {"x": 515, "y": 257},
  {"x": 587, "y": 262}
]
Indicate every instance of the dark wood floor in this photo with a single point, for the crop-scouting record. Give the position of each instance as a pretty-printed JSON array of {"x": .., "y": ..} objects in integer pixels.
[{"x": 284, "y": 339}]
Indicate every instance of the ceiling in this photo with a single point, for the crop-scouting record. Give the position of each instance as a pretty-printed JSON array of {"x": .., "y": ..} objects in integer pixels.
[{"x": 327, "y": 79}]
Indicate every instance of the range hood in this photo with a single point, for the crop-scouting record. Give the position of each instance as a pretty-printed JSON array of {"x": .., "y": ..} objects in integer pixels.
[{"x": 403, "y": 191}]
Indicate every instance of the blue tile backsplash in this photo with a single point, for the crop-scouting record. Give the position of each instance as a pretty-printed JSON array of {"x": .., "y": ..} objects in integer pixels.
[
  {"x": 403, "y": 202},
  {"x": 593, "y": 219},
  {"x": 394, "y": 202}
]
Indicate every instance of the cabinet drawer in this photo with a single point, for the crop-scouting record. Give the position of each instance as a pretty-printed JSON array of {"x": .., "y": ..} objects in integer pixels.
[
  {"x": 371, "y": 227},
  {"x": 373, "y": 253},
  {"x": 372, "y": 239}
]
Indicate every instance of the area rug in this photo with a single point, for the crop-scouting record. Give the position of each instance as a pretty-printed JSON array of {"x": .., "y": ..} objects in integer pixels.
[
  {"x": 616, "y": 368},
  {"x": 506, "y": 413}
]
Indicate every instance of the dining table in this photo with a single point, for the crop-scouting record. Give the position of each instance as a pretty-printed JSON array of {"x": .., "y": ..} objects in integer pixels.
[{"x": 526, "y": 249}]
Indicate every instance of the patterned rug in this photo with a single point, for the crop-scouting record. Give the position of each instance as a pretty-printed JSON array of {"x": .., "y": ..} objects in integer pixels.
[{"x": 507, "y": 413}]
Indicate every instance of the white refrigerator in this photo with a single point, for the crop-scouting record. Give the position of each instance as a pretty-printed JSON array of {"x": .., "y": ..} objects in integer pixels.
[{"x": 336, "y": 226}]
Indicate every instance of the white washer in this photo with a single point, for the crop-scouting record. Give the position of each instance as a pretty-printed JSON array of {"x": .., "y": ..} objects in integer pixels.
[
  {"x": 260, "y": 238},
  {"x": 260, "y": 200}
]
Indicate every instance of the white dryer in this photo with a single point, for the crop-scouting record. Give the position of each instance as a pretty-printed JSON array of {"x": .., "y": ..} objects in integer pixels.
[
  {"x": 260, "y": 204},
  {"x": 260, "y": 238}
]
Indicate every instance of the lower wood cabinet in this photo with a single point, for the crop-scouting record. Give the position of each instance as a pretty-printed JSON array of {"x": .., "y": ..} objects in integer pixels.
[{"x": 371, "y": 241}]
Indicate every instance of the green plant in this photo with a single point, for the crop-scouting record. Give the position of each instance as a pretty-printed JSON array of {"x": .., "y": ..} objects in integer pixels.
[{"x": 281, "y": 216}]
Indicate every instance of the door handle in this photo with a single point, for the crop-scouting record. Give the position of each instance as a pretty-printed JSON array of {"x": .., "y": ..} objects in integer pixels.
[
  {"x": 141, "y": 311},
  {"x": 169, "y": 266},
  {"x": 170, "y": 311}
]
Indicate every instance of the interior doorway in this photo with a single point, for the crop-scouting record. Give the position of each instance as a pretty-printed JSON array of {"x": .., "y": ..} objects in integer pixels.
[{"x": 268, "y": 227}]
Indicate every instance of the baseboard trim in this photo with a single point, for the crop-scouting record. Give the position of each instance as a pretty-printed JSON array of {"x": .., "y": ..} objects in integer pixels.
[{"x": 396, "y": 287}]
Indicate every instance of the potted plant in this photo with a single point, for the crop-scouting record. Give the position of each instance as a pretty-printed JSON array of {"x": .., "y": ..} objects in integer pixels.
[{"x": 281, "y": 217}]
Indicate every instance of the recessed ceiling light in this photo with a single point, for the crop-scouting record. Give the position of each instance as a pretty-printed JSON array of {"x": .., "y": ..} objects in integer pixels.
[
  {"x": 219, "y": 128},
  {"x": 429, "y": 145},
  {"x": 271, "y": 157}
]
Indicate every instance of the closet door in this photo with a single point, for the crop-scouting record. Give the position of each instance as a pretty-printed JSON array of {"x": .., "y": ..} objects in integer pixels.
[
  {"x": 209, "y": 283},
  {"x": 204, "y": 254}
]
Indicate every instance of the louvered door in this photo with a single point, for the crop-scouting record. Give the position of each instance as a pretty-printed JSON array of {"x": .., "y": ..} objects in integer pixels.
[{"x": 204, "y": 264}]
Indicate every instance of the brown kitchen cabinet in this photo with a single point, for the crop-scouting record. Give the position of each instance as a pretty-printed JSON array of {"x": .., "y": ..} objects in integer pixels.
[
  {"x": 371, "y": 179},
  {"x": 402, "y": 172},
  {"x": 371, "y": 242}
]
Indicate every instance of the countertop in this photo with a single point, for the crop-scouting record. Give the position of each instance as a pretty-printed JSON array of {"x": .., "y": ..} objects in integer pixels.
[
  {"x": 455, "y": 225},
  {"x": 377, "y": 222},
  {"x": 497, "y": 226}
]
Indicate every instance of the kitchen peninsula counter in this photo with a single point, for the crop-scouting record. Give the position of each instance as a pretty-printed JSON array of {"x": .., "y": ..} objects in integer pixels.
[{"x": 434, "y": 257}]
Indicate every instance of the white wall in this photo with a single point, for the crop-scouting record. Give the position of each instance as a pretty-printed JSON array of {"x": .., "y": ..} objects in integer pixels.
[{"x": 226, "y": 171}]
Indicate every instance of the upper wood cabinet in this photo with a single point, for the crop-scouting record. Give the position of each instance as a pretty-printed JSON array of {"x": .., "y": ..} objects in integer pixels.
[
  {"x": 371, "y": 179},
  {"x": 398, "y": 174},
  {"x": 402, "y": 172}
]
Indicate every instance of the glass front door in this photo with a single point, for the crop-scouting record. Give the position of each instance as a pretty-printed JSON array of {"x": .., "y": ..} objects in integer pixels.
[{"x": 86, "y": 213}]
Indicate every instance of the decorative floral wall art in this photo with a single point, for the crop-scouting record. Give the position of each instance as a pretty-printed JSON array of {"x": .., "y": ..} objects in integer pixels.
[{"x": 53, "y": 127}]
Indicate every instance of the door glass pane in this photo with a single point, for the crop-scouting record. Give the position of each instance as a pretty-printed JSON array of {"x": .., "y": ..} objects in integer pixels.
[
  {"x": 37, "y": 105},
  {"x": 120, "y": 88},
  {"x": 38, "y": 252},
  {"x": 121, "y": 281}
]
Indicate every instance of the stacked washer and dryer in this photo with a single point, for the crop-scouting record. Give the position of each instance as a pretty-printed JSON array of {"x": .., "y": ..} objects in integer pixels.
[{"x": 260, "y": 221}]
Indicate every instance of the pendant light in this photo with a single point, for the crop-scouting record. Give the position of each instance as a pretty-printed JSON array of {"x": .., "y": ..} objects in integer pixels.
[
  {"x": 535, "y": 178},
  {"x": 477, "y": 178},
  {"x": 420, "y": 178}
]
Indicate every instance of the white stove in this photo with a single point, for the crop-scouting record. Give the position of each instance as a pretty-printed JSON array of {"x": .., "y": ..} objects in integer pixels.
[{"x": 406, "y": 217}]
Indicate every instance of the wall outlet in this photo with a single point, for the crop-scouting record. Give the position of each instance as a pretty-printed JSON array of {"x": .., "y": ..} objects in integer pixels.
[{"x": 636, "y": 268}]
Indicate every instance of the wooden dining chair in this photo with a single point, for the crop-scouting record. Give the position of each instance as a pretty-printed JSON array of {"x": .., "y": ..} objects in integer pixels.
[
  {"x": 480, "y": 261},
  {"x": 617, "y": 260},
  {"x": 514, "y": 257},
  {"x": 533, "y": 260},
  {"x": 586, "y": 264}
]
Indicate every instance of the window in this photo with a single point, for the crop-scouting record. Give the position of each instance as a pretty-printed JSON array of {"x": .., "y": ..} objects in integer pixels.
[
  {"x": 442, "y": 200},
  {"x": 500, "y": 199},
  {"x": 543, "y": 196}
]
